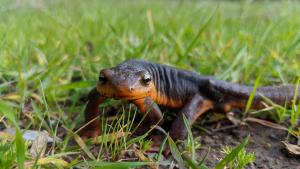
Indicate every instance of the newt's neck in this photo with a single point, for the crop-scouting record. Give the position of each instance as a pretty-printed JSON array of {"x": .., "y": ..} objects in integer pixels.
[{"x": 173, "y": 86}]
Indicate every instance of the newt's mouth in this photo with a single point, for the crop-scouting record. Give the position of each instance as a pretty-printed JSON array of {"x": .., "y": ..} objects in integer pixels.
[
  {"x": 130, "y": 98},
  {"x": 111, "y": 93},
  {"x": 124, "y": 97}
]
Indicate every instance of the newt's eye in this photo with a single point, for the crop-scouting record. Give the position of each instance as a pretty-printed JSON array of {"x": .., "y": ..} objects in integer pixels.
[
  {"x": 102, "y": 78},
  {"x": 146, "y": 78}
]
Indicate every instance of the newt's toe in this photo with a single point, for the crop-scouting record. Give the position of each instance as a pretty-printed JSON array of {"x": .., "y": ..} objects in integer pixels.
[
  {"x": 90, "y": 133},
  {"x": 156, "y": 145},
  {"x": 167, "y": 151}
]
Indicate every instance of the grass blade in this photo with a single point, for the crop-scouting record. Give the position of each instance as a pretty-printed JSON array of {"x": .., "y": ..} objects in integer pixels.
[
  {"x": 293, "y": 46},
  {"x": 74, "y": 85},
  {"x": 81, "y": 143},
  {"x": 116, "y": 165},
  {"x": 295, "y": 112},
  {"x": 251, "y": 97},
  {"x": 20, "y": 149},
  {"x": 232, "y": 155},
  {"x": 50, "y": 160},
  {"x": 7, "y": 111},
  {"x": 190, "y": 162},
  {"x": 190, "y": 137},
  {"x": 175, "y": 152},
  {"x": 201, "y": 30}
]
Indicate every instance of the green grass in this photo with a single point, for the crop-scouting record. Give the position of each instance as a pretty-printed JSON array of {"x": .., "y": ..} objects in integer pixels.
[{"x": 51, "y": 53}]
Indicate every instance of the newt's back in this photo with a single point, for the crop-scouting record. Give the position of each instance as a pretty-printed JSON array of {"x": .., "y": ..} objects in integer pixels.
[
  {"x": 172, "y": 84},
  {"x": 180, "y": 85}
]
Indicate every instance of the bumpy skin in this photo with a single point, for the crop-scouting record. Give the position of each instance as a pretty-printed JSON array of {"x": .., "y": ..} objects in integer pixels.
[{"x": 148, "y": 85}]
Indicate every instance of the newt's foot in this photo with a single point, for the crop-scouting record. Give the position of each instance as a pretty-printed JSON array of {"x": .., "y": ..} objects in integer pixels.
[
  {"x": 89, "y": 133},
  {"x": 156, "y": 145}
]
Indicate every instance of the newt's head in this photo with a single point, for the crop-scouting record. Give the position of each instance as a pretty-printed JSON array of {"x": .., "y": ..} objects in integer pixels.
[{"x": 128, "y": 80}]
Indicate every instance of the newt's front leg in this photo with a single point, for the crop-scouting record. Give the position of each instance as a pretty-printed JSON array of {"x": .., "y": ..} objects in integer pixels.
[
  {"x": 152, "y": 112},
  {"x": 195, "y": 107},
  {"x": 91, "y": 114}
]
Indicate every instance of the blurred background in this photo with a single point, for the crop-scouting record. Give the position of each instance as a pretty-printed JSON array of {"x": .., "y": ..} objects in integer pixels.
[{"x": 51, "y": 51}]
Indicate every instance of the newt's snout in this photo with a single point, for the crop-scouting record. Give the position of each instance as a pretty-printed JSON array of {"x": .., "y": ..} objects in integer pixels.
[
  {"x": 105, "y": 75},
  {"x": 116, "y": 81}
]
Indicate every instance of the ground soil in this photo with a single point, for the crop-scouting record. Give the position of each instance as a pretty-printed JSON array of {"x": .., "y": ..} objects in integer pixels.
[{"x": 264, "y": 141}]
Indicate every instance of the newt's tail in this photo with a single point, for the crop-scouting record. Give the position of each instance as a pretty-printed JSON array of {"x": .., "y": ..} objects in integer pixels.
[
  {"x": 279, "y": 94},
  {"x": 282, "y": 95}
]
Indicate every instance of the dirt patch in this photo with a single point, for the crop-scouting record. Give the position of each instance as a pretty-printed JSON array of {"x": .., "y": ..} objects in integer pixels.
[{"x": 264, "y": 141}]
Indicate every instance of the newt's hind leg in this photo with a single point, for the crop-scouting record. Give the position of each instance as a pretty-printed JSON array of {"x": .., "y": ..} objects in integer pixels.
[
  {"x": 91, "y": 114},
  {"x": 195, "y": 107}
]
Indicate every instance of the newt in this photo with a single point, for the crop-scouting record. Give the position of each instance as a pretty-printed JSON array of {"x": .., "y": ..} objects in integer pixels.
[{"x": 149, "y": 85}]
